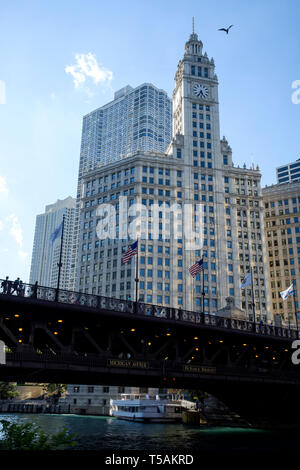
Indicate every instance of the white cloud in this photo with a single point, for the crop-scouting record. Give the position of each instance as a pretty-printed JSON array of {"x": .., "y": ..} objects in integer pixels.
[
  {"x": 16, "y": 230},
  {"x": 87, "y": 67},
  {"x": 17, "y": 234},
  {"x": 3, "y": 185},
  {"x": 23, "y": 254}
]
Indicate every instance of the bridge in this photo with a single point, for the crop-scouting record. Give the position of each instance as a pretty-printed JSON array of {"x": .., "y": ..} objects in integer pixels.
[{"x": 70, "y": 337}]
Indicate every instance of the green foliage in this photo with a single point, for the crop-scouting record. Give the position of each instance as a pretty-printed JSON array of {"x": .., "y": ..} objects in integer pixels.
[
  {"x": 8, "y": 390},
  {"x": 198, "y": 395},
  {"x": 55, "y": 389},
  {"x": 28, "y": 436}
]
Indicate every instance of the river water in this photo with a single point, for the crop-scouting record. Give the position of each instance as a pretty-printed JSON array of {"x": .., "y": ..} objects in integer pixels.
[{"x": 105, "y": 433}]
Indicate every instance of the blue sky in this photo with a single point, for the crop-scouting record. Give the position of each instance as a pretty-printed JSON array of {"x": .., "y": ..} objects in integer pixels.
[{"x": 107, "y": 45}]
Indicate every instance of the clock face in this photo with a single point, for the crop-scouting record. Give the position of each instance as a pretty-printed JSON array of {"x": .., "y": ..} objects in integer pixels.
[{"x": 200, "y": 90}]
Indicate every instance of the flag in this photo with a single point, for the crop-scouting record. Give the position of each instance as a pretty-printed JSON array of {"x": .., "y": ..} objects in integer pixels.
[
  {"x": 56, "y": 234},
  {"x": 246, "y": 281},
  {"x": 131, "y": 251},
  {"x": 196, "y": 268},
  {"x": 289, "y": 291}
]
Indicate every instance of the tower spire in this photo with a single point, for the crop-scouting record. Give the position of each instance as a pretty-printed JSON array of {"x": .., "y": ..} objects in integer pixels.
[{"x": 193, "y": 36}]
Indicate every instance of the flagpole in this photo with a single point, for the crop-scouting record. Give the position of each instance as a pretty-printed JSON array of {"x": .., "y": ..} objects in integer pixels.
[
  {"x": 203, "y": 292},
  {"x": 295, "y": 304},
  {"x": 253, "y": 303},
  {"x": 60, "y": 258},
  {"x": 137, "y": 273}
]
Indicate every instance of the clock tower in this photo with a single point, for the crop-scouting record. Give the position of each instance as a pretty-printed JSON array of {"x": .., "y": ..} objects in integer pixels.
[
  {"x": 196, "y": 107},
  {"x": 196, "y": 129},
  {"x": 228, "y": 195}
]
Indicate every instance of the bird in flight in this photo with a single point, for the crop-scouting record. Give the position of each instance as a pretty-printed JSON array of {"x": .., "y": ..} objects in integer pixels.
[{"x": 226, "y": 30}]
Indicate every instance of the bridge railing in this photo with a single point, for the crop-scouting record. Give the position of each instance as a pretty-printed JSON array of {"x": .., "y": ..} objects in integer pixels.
[{"x": 97, "y": 302}]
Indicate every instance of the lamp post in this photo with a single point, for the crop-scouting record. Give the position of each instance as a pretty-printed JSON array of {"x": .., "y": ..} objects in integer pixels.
[
  {"x": 59, "y": 264},
  {"x": 253, "y": 302},
  {"x": 136, "y": 277},
  {"x": 294, "y": 297}
]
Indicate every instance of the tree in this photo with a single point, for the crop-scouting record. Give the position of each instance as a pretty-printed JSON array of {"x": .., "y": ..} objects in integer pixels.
[
  {"x": 200, "y": 396},
  {"x": 8, "y": 390},
  {"x": 28, "y": 436},
  {"x": 56, "y": 390}
]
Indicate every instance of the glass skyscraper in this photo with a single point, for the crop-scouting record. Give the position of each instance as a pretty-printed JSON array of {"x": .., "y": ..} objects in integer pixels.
[
  {"x": 45, "y": 257},
  {"x": 288, "y": 173},
  {"x": 138, "y": 118}
]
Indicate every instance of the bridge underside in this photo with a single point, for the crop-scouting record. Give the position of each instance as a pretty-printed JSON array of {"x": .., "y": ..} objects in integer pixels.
[
  {"x": 260, "y": 402},
  {"x": 251, "y": 374}
]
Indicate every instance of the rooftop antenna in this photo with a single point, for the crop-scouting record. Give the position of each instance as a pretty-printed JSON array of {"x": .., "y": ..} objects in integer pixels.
[{"x": 193, "y": 23}]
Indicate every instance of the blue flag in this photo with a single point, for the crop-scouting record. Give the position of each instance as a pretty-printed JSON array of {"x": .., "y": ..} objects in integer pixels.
[
  {"x": 56, "y": 234},
  {"x": 289, "y": 291},
  {"x": 247, "y": 281}
]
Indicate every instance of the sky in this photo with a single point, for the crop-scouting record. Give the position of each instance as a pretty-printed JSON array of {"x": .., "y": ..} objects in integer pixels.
[{"x": 61, "y": 59}]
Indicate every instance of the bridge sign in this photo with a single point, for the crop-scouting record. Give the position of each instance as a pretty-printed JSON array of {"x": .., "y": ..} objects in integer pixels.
[
  {"x": 199, "y": 369},
  {"x": 128, "y": 364}
]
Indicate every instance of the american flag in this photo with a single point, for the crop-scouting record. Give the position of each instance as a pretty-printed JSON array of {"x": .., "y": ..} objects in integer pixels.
[
  {"x": 131, "y": 251},
  {"x": 196, "y": 268}
]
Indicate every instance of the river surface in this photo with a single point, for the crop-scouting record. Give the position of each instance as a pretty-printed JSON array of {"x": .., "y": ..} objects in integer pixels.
[{"x": 105, "y": 433}]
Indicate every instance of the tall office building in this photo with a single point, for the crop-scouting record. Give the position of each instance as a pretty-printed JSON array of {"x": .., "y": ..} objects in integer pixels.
[
  {"x": 288, "y": 173},
  {"x": 45, "y": 256},
  {"x": 137, "y": 119},
  {"x": 197, "y": 168},
  {"x": 282, "y": 232}
]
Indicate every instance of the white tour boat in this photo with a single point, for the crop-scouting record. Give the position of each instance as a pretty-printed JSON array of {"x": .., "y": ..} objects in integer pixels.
[{"x": 141, "y": 408}]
